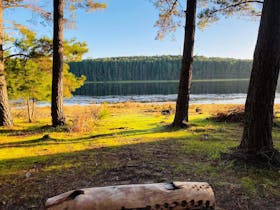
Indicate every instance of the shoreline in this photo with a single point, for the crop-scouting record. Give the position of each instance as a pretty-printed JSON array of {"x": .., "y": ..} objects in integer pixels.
[{"x": 169, "y": 98}]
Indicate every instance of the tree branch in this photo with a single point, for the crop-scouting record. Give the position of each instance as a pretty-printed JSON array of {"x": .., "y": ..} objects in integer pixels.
[
  {"x": 46, "y": 15},
  {"x": 235, "y": 5},
  {"x": 169, "y": 12},
  {"x": 18, "y": 54},
  {"x": 166, "y": 15}
]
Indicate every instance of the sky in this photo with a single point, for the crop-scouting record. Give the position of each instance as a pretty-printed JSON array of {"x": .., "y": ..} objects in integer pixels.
[{"x": 126, "y": 28}]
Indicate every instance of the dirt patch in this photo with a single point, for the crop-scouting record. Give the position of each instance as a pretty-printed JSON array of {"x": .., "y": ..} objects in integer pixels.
[{"x": 142, "y": 163}]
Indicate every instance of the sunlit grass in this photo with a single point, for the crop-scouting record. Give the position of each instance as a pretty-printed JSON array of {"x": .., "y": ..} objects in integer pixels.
[
  {"x": 26, "y": 140},
  {"x": 120, "y": 128},
  {"x": 128, "y": 135}
]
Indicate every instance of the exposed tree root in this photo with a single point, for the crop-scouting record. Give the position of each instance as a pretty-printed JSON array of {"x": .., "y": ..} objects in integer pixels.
[
  {"x": 179, "y": 126},
  {"x": 261, "y": 159}
]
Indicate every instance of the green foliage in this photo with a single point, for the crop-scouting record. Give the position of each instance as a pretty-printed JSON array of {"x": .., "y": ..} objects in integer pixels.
[
  {"x": 159, "y": 68},
  {"x": 29, "y": 72},
  {"x": 71, "y": 82},
  {"x": 26, "y": 80},
  {"x": 73, "y": 50}
]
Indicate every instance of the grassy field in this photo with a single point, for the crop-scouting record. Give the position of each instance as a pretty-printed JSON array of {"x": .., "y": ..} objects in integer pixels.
[{"x": 123, "y": 144}]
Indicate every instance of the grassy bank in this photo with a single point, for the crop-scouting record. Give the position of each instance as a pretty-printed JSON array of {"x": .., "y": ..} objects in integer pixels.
[{"x": 123, "y": 144}]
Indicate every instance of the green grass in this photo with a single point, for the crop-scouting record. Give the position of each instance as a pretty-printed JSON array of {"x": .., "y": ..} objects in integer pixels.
[{"x": 129, "y": 144}]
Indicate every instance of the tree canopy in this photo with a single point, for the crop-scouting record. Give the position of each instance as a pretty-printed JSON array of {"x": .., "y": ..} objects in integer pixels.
[
  {"x": 29, "y": 68},
  {"x": 32, "y": 61},
  {"x": 171, "y": 12}
]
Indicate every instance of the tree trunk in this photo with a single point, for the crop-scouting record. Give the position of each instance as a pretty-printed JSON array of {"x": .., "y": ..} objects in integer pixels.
[
  {"x": 5, "y": 114},
  {"x": 182, "y": 104},
  {"x": 33, "y": 108},
  {"x": 28, "y": 110},
  {"x": 58, "y": 117},
  {"x": 257, "y": 134}
]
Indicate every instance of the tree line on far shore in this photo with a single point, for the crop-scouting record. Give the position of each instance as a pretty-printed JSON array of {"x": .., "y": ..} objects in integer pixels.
[{"x": 159, "y": 68}]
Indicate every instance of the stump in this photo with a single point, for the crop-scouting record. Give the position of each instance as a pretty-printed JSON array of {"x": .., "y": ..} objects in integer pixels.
[{"x": 175, "y": 195}]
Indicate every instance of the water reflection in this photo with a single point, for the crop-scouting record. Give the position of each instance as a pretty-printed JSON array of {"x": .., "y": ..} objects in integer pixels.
[
  {"x": 221, "y": 87},
  {"x": 161, "y": 88}
]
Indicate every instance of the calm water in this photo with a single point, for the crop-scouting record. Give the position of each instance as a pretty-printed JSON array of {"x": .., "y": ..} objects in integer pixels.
[
  {"x": 206, "y": 92},
  {"x": 161, "y": 88}
]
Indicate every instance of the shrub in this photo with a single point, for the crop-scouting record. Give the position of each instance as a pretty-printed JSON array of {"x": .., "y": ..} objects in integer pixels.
[{"x": 86, "y": 120}]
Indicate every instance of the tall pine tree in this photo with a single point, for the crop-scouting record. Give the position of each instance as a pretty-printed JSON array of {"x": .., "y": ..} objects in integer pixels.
[
  {"x": 58, "y": 117},
  {"x": 5, "y": 113},
  {"x": 257, "y": 142},
  {"x": 169, "y": 20}
]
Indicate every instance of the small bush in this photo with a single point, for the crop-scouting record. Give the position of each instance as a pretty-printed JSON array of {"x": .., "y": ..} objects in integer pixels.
[
  {"x": 103, "y": 112},
  {"x": 87, "y": 119}
]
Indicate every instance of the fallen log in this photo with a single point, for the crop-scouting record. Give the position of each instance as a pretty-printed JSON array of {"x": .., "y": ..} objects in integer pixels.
[{"x": 175, "y": 195}]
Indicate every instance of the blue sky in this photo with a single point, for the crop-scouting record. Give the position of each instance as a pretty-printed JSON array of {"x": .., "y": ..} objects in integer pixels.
[{"x": 126, "y": 28}]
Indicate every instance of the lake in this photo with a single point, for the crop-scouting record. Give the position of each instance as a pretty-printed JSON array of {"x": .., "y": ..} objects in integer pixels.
[
  {"x": 161, "y": 88},
  {"x": 202, "y": 91}
]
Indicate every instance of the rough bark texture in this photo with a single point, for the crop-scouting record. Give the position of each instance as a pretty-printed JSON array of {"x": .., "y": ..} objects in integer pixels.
[
  {"x": 182, "y": 104},
  {"x": 5, "y": 114},
  {"x": 58, "y": 117},
  {"x": 257, "y": 134},
  {"x": 176, "y": 195}
]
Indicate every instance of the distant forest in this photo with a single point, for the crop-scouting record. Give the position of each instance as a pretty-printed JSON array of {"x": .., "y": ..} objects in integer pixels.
[{"x": 159, "y": 68}]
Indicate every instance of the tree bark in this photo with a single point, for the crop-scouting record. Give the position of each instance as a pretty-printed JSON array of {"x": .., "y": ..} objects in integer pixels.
[
  {"x": 182, "y": 104},
  {"x": 257, "y": 134},
  {"x": 5, "y": 114},
  {"x": 28, "y": 110},
  {"x": 33, "y": 108},
  {"x": 58, "y": 117}
]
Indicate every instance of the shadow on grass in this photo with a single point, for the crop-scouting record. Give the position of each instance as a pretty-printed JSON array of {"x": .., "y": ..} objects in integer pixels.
[
  {"x": 159, "y": 161},
  {"x": 53, "y": 174},
  {"x": 33, "y": 130},
  {"x": 48, "y": 140}
]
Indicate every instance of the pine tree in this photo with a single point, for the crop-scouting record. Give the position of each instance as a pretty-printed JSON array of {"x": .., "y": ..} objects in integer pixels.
[
  {"x": 257, "y": 142},
  {"x": 57, "y": 113},
  {"x": 28, "y": 70},
  {"x": 169, "y": 20},
  {"x": 5, "y": 113}
]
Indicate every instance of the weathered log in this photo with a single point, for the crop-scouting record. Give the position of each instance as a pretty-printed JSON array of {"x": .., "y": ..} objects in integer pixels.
[{"x": 175, "y": 195}]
